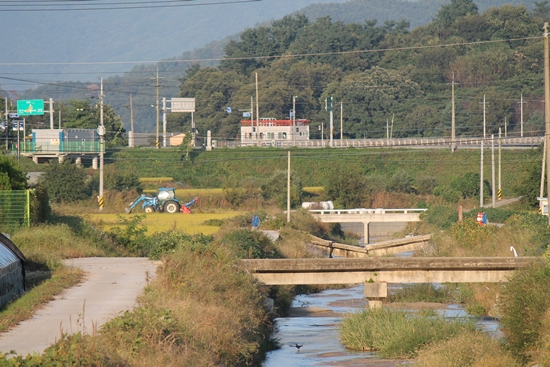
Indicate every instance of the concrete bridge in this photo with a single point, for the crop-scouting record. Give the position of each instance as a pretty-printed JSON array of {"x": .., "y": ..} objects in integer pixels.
[
  {"x": 376, "y": 273},
  {"x": 367, "y": 216},
  {"x": 377, "y": 249}
]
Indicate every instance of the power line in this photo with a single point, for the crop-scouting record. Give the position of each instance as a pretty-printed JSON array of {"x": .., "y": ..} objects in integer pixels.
[{"x": 86, "y": 6}]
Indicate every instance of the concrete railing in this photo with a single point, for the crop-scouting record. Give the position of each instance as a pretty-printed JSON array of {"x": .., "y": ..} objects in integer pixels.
[{"x": 363, "y": 211}]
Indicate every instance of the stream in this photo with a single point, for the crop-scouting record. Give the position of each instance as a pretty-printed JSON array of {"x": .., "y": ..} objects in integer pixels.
[{"x": 313, "y": 327}]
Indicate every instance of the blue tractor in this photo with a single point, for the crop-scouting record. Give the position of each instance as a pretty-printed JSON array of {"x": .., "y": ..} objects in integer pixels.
[{"x": 165, "y": 201}]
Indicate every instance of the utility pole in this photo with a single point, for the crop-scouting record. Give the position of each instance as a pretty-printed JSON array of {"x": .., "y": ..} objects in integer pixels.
[
  {"x": 131, "y": 140},
  {"x": 493, "y": 171},
  {"x": 293, "y": 120},
  {"x": 101, "y": 148},
  {"x": 51, "y": 113},
  {"x": 484, "y": 121},
  {"x": 505, "y": 128},
  {"x": 157, "y": 85},
  {"x": 341, "y": 123},
  {"x": 481, "y": 177},
  {"x": 7, "y": 121},
  {"x": 387, "y": 131},
  {"x": 288, "y": 191},
  {"x": 391, "y": 130},
  {"x": 330, "y": 108},
  {"x": 164, "y": 122},
  {"x": 257, "y": 113},
  {"x": 547, "y": 109},
  {"x": 499, "y": 164},
  {"x": 521, "y": 114},
  {"x": 453, "y": 126},
  {"x": 251, "y": 117},
  {"x": 542, "y": 175}
]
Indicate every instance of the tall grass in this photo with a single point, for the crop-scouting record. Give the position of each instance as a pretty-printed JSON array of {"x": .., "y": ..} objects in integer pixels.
[
  {"x": 397, "y": 334},
  {"x": 467, "y": 349}
]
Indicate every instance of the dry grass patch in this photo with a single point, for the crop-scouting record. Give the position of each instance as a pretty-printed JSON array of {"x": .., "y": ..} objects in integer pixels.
[{"x": 467, "y": 349}]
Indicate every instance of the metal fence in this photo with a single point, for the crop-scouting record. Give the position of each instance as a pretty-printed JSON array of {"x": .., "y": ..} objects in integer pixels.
[{"x": 15, "y": 207}]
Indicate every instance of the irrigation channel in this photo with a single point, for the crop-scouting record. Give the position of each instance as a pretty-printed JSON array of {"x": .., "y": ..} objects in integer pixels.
[{"x": 313, "y": 324}]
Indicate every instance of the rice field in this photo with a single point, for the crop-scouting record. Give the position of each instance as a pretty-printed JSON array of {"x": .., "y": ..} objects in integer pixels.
[{"x": 161, "y": 222}]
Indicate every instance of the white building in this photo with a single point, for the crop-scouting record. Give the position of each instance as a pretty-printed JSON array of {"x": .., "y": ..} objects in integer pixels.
[{"x": 272, "y": 132}]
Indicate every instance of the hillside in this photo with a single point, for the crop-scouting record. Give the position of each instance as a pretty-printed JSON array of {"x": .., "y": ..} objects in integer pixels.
[
  {"x": 328, "y": 36},
  {"x": 417, "y": 13}
]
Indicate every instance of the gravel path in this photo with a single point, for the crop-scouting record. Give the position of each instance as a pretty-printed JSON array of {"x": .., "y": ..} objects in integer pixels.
[{"x": 111, "y": 287}]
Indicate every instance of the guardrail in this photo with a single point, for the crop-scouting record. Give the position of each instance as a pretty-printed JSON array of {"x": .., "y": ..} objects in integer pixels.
[{"x": 363, "y": 211}]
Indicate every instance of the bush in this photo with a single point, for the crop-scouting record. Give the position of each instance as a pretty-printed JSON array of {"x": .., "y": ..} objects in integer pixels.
[
  {"x": 248, "y": 244},
  {"x": 524, "y": 302},
  {"x": 425, "y": 185},
  {"x": 346, "y": 187},
  {"x": 275, "y": 189},
  {"x": 401, "y": 181},
  {"x": 448, "y": 194},
  {"x": 65, "y": 182},
  {"x": 397, "y": 334},
  {"x": 11, "y": 175},
  {"x": 442, "y": 217},
  {"x": 467, "y": 349}
]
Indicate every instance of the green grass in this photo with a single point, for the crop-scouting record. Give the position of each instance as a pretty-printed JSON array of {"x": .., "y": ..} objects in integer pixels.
[
  {"x": 397, "y": 334},
  {"x": 211, "y": 169}
]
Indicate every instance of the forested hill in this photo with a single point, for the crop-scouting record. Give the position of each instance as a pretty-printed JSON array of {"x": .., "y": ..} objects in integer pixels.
[
  {"x": 417, "y": 13},
  {"x": 378, "y": 72}
]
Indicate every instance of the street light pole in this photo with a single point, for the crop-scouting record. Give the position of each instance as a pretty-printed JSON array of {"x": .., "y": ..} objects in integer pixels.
[{"x": 547, "y": 110}]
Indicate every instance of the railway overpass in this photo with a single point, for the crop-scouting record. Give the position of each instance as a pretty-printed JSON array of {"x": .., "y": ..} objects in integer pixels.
[
  {"x": 376, "y": 273},
  {"x": 367, "y": 216}
]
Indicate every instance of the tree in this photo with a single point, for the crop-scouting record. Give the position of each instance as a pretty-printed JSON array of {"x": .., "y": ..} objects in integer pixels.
[
  {"x": 275, "y": 188},
  {"x": 12, "y": 176},
  {"x": 449, "y": 13},
  {"x": 65, "y": 182},
  {"x": 346, "y": 187},
  {"x": 82, "y": 114},
  {"x": 371, "y": 97}
]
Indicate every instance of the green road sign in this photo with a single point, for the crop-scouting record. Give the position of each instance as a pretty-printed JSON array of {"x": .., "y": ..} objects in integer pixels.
[{"x": 29, "y": 107}]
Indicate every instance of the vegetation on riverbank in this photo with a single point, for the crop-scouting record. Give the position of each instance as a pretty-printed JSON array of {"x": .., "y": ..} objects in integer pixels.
[{"x": 396, "y": 333}]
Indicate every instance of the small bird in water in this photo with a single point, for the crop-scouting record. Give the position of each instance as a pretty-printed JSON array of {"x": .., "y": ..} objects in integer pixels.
[{"x": 297, "y": 346}]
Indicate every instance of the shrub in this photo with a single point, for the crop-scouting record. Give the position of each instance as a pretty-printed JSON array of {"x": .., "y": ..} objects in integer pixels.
[
  {"x": 275, "y": 188},
  {"x": 467, "y": 349},
  {"x": 524, "y": 302},
  {"x": 11, "y": 175},
  {"x": 425, "y": 185},
  {"x": 448, "y": 194},
  {"x": 346, "y": 187},
  {"x": 401, "y": 181},
  {"x": 65, "y": 182},
  {"x": 442, "y": 217},
  {"x": 397, "y": 334},
  {"x": 248, "y": 244}
]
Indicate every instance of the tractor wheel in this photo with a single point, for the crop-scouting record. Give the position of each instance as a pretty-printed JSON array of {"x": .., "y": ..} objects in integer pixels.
[
  {"x": 171, "y": 207},
  {"x": 149, "y": 209}
]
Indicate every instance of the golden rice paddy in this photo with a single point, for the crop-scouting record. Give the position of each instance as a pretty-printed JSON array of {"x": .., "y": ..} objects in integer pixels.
[{"x": 161, "y": 222}]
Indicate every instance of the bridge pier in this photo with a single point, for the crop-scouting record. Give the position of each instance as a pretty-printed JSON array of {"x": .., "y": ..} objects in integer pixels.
[
  {"x": 375, "y": 293},
  {"x": 366, "y": 233}
]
